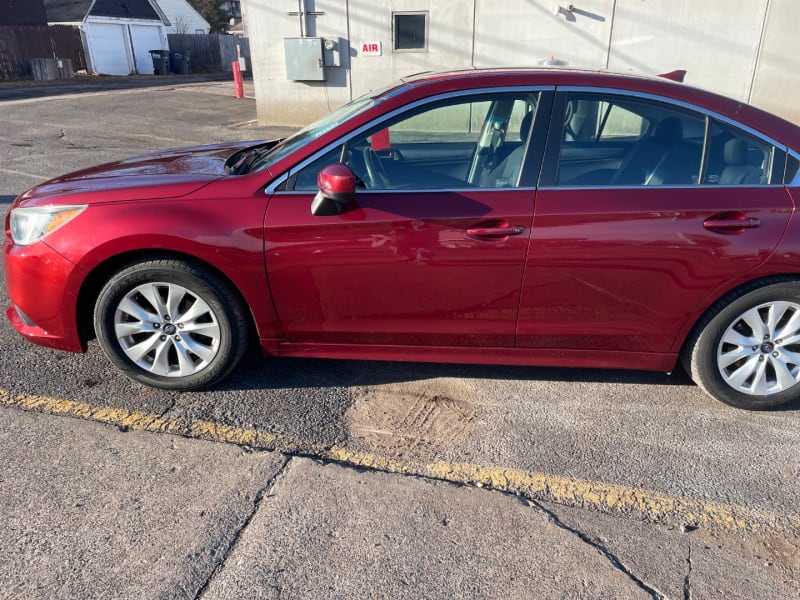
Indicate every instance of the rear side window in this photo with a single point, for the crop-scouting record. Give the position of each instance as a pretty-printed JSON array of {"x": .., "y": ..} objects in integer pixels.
[
  {"x": 623, "y": 141},
  {"x": 620, "y": 123}
]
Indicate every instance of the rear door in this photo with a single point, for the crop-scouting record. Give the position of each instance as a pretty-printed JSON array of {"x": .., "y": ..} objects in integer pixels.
[
  {"x": 619, "y": 261},
  {"x": 429, "y": 255}
]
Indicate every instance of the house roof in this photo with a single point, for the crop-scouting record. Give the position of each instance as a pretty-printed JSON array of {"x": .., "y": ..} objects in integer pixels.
[{"x": 66, "y": 11}]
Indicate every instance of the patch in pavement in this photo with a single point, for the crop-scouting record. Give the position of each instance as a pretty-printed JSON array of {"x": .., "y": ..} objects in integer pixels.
[
  {"x": 642, "y": 504},
  {"x": 404, "y": 421}
]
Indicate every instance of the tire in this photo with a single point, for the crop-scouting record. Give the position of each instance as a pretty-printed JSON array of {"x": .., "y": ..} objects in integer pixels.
[
  {"x": 170, "y": 324},
  {"x": 746, "y": 350}
]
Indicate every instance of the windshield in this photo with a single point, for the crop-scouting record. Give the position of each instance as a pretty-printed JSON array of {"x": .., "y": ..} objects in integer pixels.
[{"x": 313, "y": 131}]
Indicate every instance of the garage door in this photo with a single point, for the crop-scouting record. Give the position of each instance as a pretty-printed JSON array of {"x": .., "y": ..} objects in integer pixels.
[
  {"x": 145, "y": 38},
  {"x": 109, "y": 49}
]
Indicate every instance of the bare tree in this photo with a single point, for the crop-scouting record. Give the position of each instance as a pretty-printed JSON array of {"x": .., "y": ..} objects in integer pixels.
[{"x": 181, "y": 25}]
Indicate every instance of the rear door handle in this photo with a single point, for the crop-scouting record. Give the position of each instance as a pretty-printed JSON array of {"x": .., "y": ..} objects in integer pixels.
[
  {"x": 733, "y": 222},
  {"x": 495, "y": 232}
]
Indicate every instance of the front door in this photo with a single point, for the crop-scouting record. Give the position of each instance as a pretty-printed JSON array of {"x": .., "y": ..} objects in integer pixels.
[{"x": 433, "y": 252}]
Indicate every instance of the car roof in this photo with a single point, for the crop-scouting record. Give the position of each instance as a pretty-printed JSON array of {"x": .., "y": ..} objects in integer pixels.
[{"x": 420, "y": 84}]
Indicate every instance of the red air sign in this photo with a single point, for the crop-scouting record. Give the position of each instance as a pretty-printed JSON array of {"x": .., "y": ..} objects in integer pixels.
[{"x": 371, "y": 49}]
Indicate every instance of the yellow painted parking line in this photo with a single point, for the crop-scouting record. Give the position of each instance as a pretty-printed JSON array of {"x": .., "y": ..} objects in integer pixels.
[{"x": 606, "y": 497}]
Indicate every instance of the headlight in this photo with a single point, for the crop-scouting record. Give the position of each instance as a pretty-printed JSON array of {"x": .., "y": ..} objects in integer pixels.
[{"x": 29, "y": 225}]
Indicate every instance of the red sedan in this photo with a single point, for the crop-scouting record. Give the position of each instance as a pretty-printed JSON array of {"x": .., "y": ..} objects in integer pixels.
[{"x": 525, "y": 217}]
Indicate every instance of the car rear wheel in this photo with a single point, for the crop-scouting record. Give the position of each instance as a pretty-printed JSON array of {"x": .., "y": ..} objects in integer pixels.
[
  {"x": 746, "y": 352},
  {"x": 170, "y": 324}
]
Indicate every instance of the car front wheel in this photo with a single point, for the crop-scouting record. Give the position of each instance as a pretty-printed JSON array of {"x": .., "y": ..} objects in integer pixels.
[
  {"x": 746, "y": 352},
  {"x": 170, "y": 324}
]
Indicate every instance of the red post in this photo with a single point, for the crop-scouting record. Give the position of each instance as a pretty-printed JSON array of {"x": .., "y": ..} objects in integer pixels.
[{"x": 237, "y": 80}]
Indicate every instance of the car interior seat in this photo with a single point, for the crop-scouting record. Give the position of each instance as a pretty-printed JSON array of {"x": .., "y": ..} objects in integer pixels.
[
  {"x": 641, "y": 161},
  {"x": 737, "y": 170},
  {"x": 507, "y": 163}
]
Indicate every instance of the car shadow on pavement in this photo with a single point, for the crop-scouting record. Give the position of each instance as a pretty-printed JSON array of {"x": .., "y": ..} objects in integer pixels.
[
  {"x": 256, "y": 372},
  {"x": 271, "y": 372}
]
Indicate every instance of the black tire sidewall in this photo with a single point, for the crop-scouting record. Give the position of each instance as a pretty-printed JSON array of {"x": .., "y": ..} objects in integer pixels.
[
  {"x": 703, "y": 356},
  {"x": 200, "y": 283}
]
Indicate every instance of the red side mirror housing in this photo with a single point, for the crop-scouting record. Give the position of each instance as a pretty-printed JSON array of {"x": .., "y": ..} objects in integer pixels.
[
  {"x": 337, "y": 187},
  {"x": 337, "y": 182}
]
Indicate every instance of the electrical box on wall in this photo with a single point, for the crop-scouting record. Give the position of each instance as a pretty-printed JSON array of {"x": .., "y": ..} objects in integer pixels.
[
  {"x": 304, "y": 59},
  {"x": 332, "y": 52}
]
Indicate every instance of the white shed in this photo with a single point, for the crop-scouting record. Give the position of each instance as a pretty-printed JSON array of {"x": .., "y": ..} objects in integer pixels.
[
  {"x": 117, "y": 34},
  {"x": 183, "y": 17}
]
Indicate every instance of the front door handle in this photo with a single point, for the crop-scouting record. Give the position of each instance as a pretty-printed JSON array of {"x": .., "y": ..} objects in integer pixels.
[
  {"x": 499, "y": 231},
  {"x": 731, "y": 222}
]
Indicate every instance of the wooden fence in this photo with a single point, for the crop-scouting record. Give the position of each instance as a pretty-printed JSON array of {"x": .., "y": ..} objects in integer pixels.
[
  {"x": 210, "y": 53},
  {"x": 20, "y": 44}
]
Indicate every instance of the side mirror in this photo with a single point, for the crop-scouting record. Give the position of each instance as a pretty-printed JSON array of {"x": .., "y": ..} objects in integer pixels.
[{"x": 337, "y": 187}]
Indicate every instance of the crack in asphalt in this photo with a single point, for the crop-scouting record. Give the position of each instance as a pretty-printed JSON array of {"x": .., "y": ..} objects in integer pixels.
[
  {"x": 687, "y": 585},
  {"x": 608, "y": 554},
  {"x": 234, "y": 540},
  {"x": 616, "y": 500}
]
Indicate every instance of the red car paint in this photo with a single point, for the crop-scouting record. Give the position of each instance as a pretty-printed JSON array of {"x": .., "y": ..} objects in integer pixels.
[{"x": 579, "y": 277}]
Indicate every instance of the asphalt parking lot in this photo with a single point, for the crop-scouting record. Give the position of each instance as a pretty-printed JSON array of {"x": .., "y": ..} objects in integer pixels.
[{"x": 311, "y": 478}]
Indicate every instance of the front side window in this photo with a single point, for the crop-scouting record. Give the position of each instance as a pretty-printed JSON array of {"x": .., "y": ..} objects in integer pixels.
[{"x": 458, "y": 143}]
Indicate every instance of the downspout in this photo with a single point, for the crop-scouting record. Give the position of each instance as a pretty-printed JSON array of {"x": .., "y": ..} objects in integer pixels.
[
  {"x": 301, "y": 12},
  {"x": 759, "y": 48},
  {"x": 611, "y": 34},
  {"x": 349, "y": 58},
  {"x": 474, "y": 21}
]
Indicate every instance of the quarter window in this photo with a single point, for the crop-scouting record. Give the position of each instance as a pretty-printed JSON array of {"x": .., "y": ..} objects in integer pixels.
[{"x": 736, "y": 158}]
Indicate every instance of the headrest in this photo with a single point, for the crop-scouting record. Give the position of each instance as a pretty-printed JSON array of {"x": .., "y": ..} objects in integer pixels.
[
  {"x": 735, "y": 152},
  {"x": 669, "y": 132}
]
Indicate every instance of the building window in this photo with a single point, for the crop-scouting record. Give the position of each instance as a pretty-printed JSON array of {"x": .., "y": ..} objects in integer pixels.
[{"x": 410, "y": 31}]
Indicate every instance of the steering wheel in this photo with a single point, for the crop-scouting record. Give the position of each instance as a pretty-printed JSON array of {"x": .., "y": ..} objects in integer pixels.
[{"x": 375, "y": 170}]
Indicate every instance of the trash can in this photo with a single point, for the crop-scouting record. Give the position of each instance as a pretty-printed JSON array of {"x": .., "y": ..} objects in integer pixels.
[
  {"x": 160, "y": 61},
  {"x": 181, "y": 62}
]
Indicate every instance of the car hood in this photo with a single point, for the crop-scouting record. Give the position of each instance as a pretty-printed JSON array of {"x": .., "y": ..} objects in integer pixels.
[{"x": 162, "y": 174}]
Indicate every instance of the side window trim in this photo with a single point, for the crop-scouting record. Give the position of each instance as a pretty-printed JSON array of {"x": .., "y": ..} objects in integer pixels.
[
  {"x": 345, "y": 139},
  {"x": 701, "y": 177},
  {"x": 532, "y": 166}
]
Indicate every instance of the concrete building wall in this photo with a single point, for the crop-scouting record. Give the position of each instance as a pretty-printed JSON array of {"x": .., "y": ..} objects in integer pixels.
[
  {"x": 717, "y": 41},
  {"x": 746, "y": 49},
  {"x": 776, "y": 86}
]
